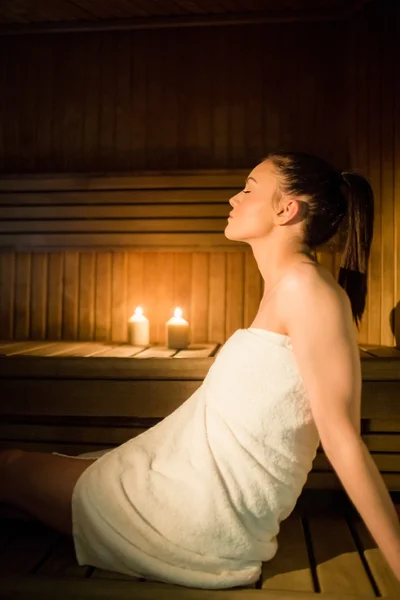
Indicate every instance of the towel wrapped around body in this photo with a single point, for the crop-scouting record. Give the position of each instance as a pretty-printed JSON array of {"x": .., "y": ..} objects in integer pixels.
[{"x": 197, "y": 500}]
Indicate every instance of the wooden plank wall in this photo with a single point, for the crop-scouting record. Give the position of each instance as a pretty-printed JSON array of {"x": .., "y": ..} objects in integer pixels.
[
  {"x": 86, "y": 251},
  {"x": 186, "y": 98},
  {"x": 200, "y": 98},
  {"x": 89, "y": 295},
  {"x": 372, "y": 108}
]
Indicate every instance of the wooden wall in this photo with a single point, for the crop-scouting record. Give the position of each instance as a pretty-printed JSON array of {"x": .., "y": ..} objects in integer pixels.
[
  {"x": 189, "y": 99},
  {"x": 79, "y": 255},
  {"x": 373, "y": 125},
  {"x": 185, "y": 98}
]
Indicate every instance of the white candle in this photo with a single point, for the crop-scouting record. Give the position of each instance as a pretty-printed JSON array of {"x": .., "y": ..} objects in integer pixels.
[
  {"x": 177, "y": 331},
  {"x": 138, "y": 328}
]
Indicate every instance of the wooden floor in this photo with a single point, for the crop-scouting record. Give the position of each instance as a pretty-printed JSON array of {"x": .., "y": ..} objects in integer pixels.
[{"x": 324, "y": 550}]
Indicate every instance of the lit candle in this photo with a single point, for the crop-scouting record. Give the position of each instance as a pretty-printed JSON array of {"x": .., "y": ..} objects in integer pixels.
[
  {"x": 138, "y": 328},
  {"x": 177, "y": 331}
]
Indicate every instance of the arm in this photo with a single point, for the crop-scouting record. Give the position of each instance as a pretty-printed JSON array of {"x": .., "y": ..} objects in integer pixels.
[
  {"x": 364, "y": 484},
  {"x": 324, "y": 344}
]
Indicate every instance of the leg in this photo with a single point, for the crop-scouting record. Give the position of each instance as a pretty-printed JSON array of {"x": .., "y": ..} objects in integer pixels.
[{"x": 41, "y": 484}]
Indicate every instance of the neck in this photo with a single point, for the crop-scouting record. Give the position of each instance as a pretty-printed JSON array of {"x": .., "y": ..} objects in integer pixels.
[{"x": 274, "y": 259}]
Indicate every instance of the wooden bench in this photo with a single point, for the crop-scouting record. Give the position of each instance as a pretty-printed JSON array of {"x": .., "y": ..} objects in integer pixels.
[
  {"x": 74, "y": 397},
  {"x": 324, "y": 551},
  {"x": 56, "y": 397}
]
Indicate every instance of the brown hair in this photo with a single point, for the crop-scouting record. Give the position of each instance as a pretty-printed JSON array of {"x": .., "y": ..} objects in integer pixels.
[{"x": 332, "y": 196}]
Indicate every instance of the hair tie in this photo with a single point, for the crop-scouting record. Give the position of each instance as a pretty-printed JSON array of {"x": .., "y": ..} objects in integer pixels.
[{"x": 343, "y": 178}]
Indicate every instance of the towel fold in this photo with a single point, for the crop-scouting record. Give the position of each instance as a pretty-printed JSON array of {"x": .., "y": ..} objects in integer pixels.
[{"x": 197, "y": 500}]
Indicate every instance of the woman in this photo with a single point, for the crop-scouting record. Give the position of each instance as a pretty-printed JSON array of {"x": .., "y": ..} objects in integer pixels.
[{"x": 198, "y": 499}]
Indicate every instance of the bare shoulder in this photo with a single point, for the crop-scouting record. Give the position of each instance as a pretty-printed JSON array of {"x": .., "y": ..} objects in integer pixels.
[
  {"x": 311, "y": 290},
  {"x": 318, "y": 319}
]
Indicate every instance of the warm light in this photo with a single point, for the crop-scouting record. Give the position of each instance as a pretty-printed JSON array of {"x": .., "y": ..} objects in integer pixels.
[
  {"x": 138, "y": 315},
  {"x": 138, "y": 328},
  {"x": 177, "y": 330}
]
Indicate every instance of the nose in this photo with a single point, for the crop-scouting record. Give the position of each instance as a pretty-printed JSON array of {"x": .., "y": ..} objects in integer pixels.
[{"x": 233, "y": 200}]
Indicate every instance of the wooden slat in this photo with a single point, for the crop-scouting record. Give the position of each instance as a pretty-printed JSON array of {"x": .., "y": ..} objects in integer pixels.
[
  {"x": 389, "y": 461},
  {"x": 338, "y": 565},
  {"x": 22, "y": 295},
  {"x": 253, "y": 288},
  {"x": 381, "y": 351},
  {"x": 199, "y": 296},
  {"x": 165, "y": 291},
  {"x": 154, "y": 180},
  {"x": 84, "y": 433},
  {"x": 103, "y": 296},
  {"x": 55, "y": 294},
  {"x": 387, "y": 583},
  {"x": 234, "y": 293},
  {"x": 86, "y": 296},
  {"x": 38, "y": 299},
  {"x": 162, "y": 240},
  {"x": 150, "y": 295},
  {"x": 95, "y": 367},
  {"x": 70, "y": 296},
  {"x": 384, "y": 425},
  {"x": 32, "y": 349},
  {"x": 21, "y": 347},
  {"x": 119, "y": 325},
  {"x": 382, "y": 442},
  {"x": 217, "y": 297},
  {"x": 156, "y": 352},
  {"x": 98, "y": 205},
  {"x": 92, "y": 398},
  {"x": 196, "y": 351},
  {"x": 7, "y": 291},
  {"x": 289, "y": 570},
  {"x": 120, "y": 590},
  {"x": 330, "y": 481},
  {"x": 123, "y": 351},
  {"x": 182, "y": 290},
  {"x": 82, "y": 349},
  {"x": 8, "y": 345},
  {"x": 67, "y": 449}
]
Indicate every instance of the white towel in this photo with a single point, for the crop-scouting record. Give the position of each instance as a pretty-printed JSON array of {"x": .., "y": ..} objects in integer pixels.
[{"x": 197, "y": 500}]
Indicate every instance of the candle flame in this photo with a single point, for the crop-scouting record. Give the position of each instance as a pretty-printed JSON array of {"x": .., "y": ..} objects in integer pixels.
[
  {"x": 139, "y": 311},
  {"x": 178, "y": 312}
]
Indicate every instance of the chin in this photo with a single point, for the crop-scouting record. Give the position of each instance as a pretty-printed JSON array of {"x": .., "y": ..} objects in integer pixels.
[{"x": 228, "y": 234}]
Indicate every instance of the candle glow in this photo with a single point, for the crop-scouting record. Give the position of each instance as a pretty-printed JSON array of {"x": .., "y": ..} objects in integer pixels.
[
  {"x": 138, "y": 328},
  {"x": 177, "y": 331}
]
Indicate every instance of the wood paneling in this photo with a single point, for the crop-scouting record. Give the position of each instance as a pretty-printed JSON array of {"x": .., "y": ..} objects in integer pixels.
[
  {"x": 183, "y": 99},
  {"x": 373, "y": 116},
  {"x": 90, "y": 295},
  {"x": 86, "y": 250},
  {"x": 59, "y": 15},
  {"x": 190, "y": 98}
]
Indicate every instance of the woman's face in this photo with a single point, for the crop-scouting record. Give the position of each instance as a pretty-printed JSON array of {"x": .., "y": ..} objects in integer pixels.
[{"x": 252, "y": 213}]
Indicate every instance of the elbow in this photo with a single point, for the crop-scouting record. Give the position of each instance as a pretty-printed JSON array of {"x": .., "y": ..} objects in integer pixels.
[{"x": 341, "y": 443}]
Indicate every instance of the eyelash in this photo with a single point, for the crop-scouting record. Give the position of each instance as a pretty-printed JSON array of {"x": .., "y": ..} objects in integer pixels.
[{"x": 246, "y": 191}]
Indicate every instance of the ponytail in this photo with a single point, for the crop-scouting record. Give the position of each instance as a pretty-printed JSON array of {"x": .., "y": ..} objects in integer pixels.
[{"x": 353, "y": 271}]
